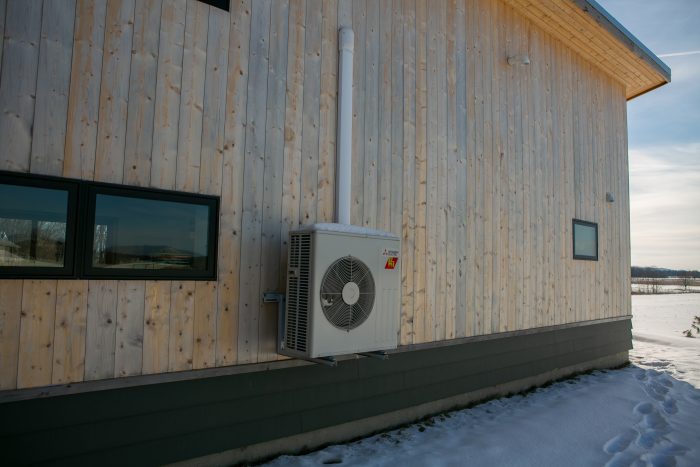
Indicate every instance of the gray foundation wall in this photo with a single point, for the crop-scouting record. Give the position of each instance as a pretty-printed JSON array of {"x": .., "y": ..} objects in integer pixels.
[{"x": 245, "y": 416}]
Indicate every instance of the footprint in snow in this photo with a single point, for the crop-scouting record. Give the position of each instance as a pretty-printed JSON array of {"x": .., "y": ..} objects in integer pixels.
[
  {"x": 623, "y": 459},
  {"x": 643, "y": 408},
  {"x": 670, "y": 406},
  {"x": 620, "y": 442}
]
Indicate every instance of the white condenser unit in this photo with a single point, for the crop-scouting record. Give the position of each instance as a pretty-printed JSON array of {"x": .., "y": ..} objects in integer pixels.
[{"x": 343, "y": 285}]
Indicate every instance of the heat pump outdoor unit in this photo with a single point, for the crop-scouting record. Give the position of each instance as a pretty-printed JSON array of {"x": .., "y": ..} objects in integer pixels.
[{"x": 342, "y": 291}]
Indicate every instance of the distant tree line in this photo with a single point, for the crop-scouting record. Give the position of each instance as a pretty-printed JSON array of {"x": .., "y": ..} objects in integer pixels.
[{"x": 653, "y": 271}]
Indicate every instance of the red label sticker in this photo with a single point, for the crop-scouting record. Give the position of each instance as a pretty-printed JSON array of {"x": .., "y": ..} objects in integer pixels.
[{"x": 391, "y": 262}]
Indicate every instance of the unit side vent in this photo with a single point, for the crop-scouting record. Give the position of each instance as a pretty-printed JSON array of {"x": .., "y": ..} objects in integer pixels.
[{"x": 298, "y": 291}]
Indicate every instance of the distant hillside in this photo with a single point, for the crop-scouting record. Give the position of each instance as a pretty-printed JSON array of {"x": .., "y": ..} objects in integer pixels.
[{"x": 653, "y": 271}]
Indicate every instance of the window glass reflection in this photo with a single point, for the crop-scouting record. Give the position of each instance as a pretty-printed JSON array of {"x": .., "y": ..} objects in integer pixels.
[
  {"x": 138, "y": 233},
  {"x": 32, "y": 226},
  {"x": 585, "y": 240}
]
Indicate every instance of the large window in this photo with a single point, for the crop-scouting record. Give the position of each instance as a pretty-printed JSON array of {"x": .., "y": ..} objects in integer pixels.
[
  {"x": 585, "y": 240},
  {"x": 52, "y": 227},
  {"x": 37, "y": 234},
  {"x": 143, "y": 233}
]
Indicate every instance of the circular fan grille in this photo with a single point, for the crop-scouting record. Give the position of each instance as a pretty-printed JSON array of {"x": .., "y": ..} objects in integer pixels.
[{"x": 347, "y": 293}]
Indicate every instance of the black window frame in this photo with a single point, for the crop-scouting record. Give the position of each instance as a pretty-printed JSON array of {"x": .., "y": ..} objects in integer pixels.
[
  {"x": 573, "y": 238},
  {"x": 89, "y": 271},
  {"x": 69, "y": 266},
  {"x": 220, "y": 4},
  {"x": 80, "y": 227}
]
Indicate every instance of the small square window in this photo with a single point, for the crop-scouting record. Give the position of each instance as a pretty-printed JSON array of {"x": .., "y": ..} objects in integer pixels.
[
  {"x": 585, "y": 240},
  {"x": 37, "y": 227}
]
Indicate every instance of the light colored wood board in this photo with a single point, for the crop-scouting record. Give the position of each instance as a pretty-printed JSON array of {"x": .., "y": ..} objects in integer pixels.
[
  {"x": 168, "y": 89},
  {"x": 472, "y": 165},
  {"x": 325, "y": 209},
  {"x": 36, "y": 338},
  {"x": 84, "y": 96},
  {"x": 421, "y": 174},
  {"x": 518, "y": 46},
  {"x": 432, "y": 207},
  {"x": 232, "y": 185},
  {"x": 100, "y": 336},
  {"x": 273, "y": 179},
  {"x": 205, "y": 306},
  {"x": 114, "y": 91},
  {"x": 384, "y": 137},
  {"x": 69, "y": 331},
  {"x": 156, "y": 327},
  {"x": 311, "y": 113},
  {"x": 181, "y": 347},
  {"x": 513, "y": 212},
  {"x": 214, "y": 114},
  {"x": 194, "y": 61},
  {"x": 131, "y": 301},
  {"x": 370, "y": 108},
  {"x": 408, "y": 12},
  {"x": 485, "y": 30},
  {"x": 451, "y": 174},
  {"x": 527, "y": 303},
  {"x": 359, "y": 26},
  {"x": 482, "y": 263},
  {"x": 397, "y": 118},
  {"x": 506, "y": 158},
  {"x": 10, "y": 310},
  {"x": 142, "y": 93},
  {"x": 20, "y": 58},
  {"x": 53, "y": 85},
  {"x": 460, "y": 201},
  {"x": 249, "y": 308},
  {"x": 442, "y": 287}
]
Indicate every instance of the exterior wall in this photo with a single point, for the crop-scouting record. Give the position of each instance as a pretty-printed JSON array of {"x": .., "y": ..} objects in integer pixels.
[
  {"x": 300, "y": 407},
  {"x": 480, "y": 167}
]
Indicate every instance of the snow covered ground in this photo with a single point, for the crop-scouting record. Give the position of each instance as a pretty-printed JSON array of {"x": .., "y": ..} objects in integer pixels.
[{"x": 645, "y": 414}]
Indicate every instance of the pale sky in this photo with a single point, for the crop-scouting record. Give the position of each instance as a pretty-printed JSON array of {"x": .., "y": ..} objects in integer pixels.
[{"x": 664, "y": 135}]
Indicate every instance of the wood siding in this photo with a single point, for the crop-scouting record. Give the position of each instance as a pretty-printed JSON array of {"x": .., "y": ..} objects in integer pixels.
[{"x": 478, "y": 165}]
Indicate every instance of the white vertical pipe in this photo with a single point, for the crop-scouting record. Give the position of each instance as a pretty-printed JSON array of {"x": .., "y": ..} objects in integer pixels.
[{"x": 346, "y": 41}]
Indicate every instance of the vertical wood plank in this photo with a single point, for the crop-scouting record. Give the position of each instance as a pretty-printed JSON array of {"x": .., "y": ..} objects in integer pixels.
[
  {"x": 432, "y": 148},
  {"x": 384, "y": 137},
  {"x": 408, "y": 289},
  {"x": 371, "y": 114},
  {"x": 53, "y": 85},
  {"x": 156, "y": 329},
  {"x": 460, "y": 197},
  {"x": 205, "y": 305},
  {"x": 359, "y": 25},
  {"x": 250, "y": 306},
  {"x": 168, "y": 89},
  {"x": 100, "y": 337},
  {"x": 311, "y": 113},
  {"x": 189, "y": 142},
  {"x": 232, "y": 185},
  {"x": 471, "y": 271},
  {"x": 214, "y": 113},
  {"x": 421, "y": 168},
  {"x": 142, "y": 93},
  {"x": 114, "y": 92},
  {"x": 479, "y": 201},
  {"x": 69, "y": 331},
  {"x": 273, "y": 179},
  {"x": 10, "y": 310},
  {"x": 17, "y": 96},
  {"x": 327, "y": 116},
  {"x": 84, "y": 96},
  {"x": 451, "y": 172},
  {"x": 36, "y": 333},
  {"x": 181, "y": 347},
  {"x": 397, "y": 119},
  {"x": 128, "y": 360}
]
